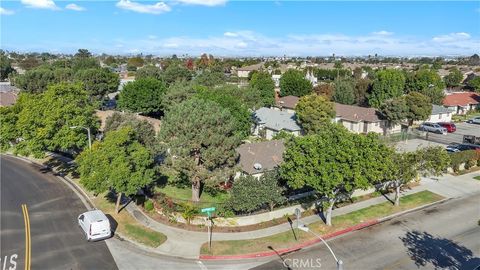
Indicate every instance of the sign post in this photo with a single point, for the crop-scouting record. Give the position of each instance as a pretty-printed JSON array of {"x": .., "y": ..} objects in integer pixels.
[{"x": 209, "y": 211}]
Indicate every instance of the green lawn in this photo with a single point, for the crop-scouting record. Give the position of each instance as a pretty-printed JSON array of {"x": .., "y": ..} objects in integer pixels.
[
  {"x": 185, "y": 194},
  {"x": 128, "y": 226},
  {"x": 287, "y": 239},
  {"x": 477, "y": 177}
]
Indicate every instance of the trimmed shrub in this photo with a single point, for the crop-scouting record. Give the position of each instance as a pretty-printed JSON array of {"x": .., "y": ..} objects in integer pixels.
[
  {"x": 469, "y": 158},
  {"x": 148, "y": 205}
]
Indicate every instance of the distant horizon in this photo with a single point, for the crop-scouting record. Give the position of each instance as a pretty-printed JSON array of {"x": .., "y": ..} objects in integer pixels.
[{"x": 242, "y": 28}]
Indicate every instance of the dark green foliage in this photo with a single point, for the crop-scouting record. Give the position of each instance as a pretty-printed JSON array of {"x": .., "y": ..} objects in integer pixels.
[
  {"x": 475, "y": 84},
  {"x": 201, "y": 137},
  {"x": 293, "y": 83},
  {"x": 149, "y": 72},
  {"x": 144, "y": 132},
  {"x": 118, "y": 162},
  {"x": 98, "y": 81},
  {"x": 344, "y": 92},
  {"x": 250, "y": 193},
  {"x": 175, "y": 73},
  {"x": 235, "y": 106},
  {"x": 35, "y": 80},
  {"x": 388, "y": 84},
  {"x": 210, "y": 78},
  {"x": 454, "y": 78},
  {"x": 177, "y": 93},
  {"x": 262, "y": 82},
  {"x": 314, "y": 112},
  {"x": 5, "y": 67},
  {"x": 44, "y": 119},
  {"x": 142, "y": 96},
  {"x": 468, "y": 158},
  {"x": 427, "y": 82}
]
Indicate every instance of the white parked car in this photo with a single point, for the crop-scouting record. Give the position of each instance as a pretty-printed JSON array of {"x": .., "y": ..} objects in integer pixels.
[
  {"x": 475, "y": 120},
  {"x": 95, "y": 225},
  {"x": 433, "y": 127}
]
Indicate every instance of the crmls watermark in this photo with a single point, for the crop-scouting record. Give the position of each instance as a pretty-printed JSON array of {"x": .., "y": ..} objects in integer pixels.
[
  {"x": 302, "y": 263},
  {"x": 9, "y": 263}
]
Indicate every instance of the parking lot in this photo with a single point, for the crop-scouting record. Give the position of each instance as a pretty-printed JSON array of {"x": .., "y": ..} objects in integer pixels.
[{"x": 457, "y": 136}]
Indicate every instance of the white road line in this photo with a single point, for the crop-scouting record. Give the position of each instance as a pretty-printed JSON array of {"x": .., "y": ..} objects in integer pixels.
[{"x": 202, "y": 266}]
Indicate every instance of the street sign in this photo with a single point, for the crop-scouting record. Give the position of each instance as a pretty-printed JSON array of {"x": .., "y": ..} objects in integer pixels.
[{"x": 209, "y": 209}]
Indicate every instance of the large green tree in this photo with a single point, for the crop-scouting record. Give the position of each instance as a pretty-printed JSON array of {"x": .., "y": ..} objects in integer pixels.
[
  {"x": 475, "y": 84},
  {"x": 250, "y": 193},
  {"x": 5, "y": 66},
  {"x": 427, "y": 82},
  {"x": 454, "y": 78},
  {"x": 344, "y": 91},
  {"x": 149, "y": 72},
  {"x": 144, "y": 131},
  {"x": 335, "y": 162},
  {"x": 175, "y": 73},
  {"x": 142, "y": 96},
  {"x": 293, "y": 83},
  {"x": 177, "y": 93},
  {"x": 262, "y": 82},
  {"x": 98, "y": 81},
  {"x": 45, "y": 119},
  {"x": 388, "y": 84},
  {"x": 35, "y": 80},
  {"x": 118, "y": 162},
  {"x": 200, "y": 137},
  {"x": 313, "y": 112},
  {"x": 419, "y": 107},
  {"x": 235, "y": 106},
  {"x": 408, "y": 166},
  {"x": 210, "y": 78}
]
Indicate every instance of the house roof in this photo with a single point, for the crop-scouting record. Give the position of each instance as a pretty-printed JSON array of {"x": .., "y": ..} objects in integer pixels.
[
  {"x": 289, "y": 102},
  {"x": 461, "y": 99},
  {"x": 6, "y": 87},
  {"x": 251, "y": 67},
  {"x": 276, "y": 120},
  {"x": 268, "y": 154},
  {"x": 7, "y": 98},
  {"x": 439, "y": 109},
  {"x": 356, "y": 113}
]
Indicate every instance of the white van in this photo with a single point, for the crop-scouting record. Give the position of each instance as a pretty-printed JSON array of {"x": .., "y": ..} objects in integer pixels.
[{"x": 95, "y": 225}]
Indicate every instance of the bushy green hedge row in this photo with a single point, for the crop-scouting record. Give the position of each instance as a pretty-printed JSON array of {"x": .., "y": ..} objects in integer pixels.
[{"x": 470, "y": 158}]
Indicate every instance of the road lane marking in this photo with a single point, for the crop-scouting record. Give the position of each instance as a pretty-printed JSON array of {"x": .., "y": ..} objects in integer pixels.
[
  {"x": 201, "y": 265},
  {"x": 28, "y": 247}
]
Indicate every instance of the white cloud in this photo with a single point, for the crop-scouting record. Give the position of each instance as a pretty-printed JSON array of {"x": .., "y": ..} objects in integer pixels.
[
  {"x": 452, "y": 37},
  {"x": 383, "y": 33},
  {"x": 230, "y": 34},
  {"x": 4, "y": 11},
  {"x": 45, "y": 4},
  {"x": 157, "y": 8},
  {"x": 209, "y": 3},
  {"x": 74, "y": 7}
]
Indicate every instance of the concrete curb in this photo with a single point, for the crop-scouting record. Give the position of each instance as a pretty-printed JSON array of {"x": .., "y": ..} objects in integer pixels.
[
  {"x": 88, "y": 203},
  {"x": 293, "y": 248},
  {"x": 327, "y": 236}
]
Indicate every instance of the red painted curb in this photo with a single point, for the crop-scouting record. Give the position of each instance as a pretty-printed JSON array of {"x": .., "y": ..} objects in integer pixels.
[{"x": 295, "y": 247}]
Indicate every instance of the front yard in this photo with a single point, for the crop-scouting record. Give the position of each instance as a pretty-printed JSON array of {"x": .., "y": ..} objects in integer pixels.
[{"x": 287, "y": 239}]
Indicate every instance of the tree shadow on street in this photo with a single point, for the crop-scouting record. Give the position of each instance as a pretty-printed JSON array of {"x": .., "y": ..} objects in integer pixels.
[{"x": 442, "y": 253}]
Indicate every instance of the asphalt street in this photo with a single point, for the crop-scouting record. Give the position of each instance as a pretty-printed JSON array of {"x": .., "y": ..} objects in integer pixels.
[
  {"x": 445, "y": 236},
  {"x": 51, "y": 212},
  {"x": 457, "y": 136}
]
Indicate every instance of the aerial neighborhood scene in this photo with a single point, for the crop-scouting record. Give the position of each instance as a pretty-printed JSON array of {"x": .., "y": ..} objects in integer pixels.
[{"x": 216, "y": 134}]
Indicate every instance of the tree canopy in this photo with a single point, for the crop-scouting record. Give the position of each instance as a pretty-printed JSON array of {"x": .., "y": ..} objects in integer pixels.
[
  {"x": 388, "y": 84},
  {"x": 118, "y": 162},
  {"x": 44, "y": 120},
  {"x": 454, "y": 78},
  {"x": 427, "y": 82},
  {"x": 5, "y": 67},
  {"x": 348, "y": 161},
  {"x": 314, "y": 112},
  {"x": 142, "y": 96},
  {"x": 262, "y": 82},
  {"x": 149, "y": 72},
  {"x": 201, "y": 138},
  {"x": 250, "y": 193},
  {"x": 344, "y": 92},
  {"x": 144, "y": 132},
  {"x": 98, "y": 81},
  {"x": 293, "y": 83}
]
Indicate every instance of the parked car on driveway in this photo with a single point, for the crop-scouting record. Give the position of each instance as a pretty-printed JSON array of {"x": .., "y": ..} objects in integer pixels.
[
  {"x": 433, "y": 127},
  {"x": 449, "y": 126},
  {"x": 475, "y": 120}
]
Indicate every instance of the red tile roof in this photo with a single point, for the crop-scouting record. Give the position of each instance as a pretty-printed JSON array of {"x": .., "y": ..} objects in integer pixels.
[{"x": 461, "y": 99}]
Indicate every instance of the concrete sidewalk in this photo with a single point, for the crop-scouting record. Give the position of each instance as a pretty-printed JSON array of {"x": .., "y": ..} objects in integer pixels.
[
  {"x": 186, "y": 244},
  {"x": 183, "y": 243}
]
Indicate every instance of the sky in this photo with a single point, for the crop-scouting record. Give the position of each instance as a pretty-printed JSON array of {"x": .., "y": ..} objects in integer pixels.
[{"x": 242, "y": 28}]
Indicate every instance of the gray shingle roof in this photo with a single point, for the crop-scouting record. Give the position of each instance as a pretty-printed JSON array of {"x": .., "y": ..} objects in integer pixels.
[
  {"x": 276, "y": 120},
  {"x": 269, "y": 154},
  {"x": 439, "y": 109}
]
